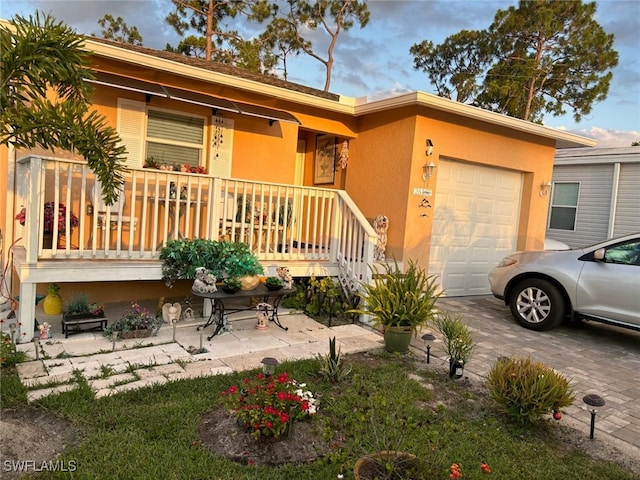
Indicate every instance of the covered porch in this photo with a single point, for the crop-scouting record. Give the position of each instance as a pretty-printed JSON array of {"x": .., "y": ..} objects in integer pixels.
[{"x": 69, "y": 235}]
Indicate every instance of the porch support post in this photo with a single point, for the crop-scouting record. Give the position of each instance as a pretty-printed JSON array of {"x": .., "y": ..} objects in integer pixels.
[{"x": 27, "y": 311}]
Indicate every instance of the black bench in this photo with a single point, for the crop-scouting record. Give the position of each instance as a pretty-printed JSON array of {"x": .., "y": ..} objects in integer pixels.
[{"x": 95, "y": 324}]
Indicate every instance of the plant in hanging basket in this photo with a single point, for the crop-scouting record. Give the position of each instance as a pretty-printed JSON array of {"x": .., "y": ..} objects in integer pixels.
[{"x": 135, "y": 322}]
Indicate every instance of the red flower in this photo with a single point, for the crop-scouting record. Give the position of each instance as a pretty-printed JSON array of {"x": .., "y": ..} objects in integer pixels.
[
  {"x": 233, "y": 389},
  {"x": 284, "y": 418},
  {"x": 485, "y": 467},
  {"x": 282, "y": 395},
  {"x": 50, "y": 217},
  {"x": 282, "y": 378}
]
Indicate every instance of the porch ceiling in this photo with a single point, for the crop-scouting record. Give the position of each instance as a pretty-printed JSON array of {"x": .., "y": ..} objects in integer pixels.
[{"x": 150, "y": 88}]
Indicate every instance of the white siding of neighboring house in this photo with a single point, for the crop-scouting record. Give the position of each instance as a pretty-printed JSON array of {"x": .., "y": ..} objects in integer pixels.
[
  {"x": 627, "y": 218},
  {"x": 594, "y": 201},
  {"x": 609, "y": 195}
]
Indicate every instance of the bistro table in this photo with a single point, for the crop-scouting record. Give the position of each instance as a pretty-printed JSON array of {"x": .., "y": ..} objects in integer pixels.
[{"x": 219, "y": 310}]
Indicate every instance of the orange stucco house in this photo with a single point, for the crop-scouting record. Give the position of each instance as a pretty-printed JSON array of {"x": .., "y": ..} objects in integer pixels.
[{"x": 461, "y": 186}]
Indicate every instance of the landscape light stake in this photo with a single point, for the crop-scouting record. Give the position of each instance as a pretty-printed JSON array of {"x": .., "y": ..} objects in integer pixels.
[
  {"x": 593, "y": 401},
  {"x": 427, "y": 338},
  {"x": 269, "y": 366}
]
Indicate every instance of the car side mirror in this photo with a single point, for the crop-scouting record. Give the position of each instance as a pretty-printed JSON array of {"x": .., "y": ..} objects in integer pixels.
[{"x": 598, "y": 255}]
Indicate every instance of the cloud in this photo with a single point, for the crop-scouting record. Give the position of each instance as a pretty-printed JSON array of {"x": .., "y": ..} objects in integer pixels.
[{"x": 606, "y": 138}]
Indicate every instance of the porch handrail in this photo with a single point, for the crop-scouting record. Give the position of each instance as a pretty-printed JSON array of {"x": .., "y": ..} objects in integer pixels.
[{"x": 281, "y": 222}]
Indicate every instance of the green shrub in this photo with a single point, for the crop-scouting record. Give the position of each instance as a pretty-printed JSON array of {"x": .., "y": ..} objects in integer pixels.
[
  {"x": 181, "y": 258},
  {"x": 526, "y": 390},
  {"x": 457, "y": 341},
  {"x": 9, "y": 354}
]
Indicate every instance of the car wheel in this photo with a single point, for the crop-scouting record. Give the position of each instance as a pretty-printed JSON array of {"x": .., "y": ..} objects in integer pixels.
[{"x": 537, "y": 304}]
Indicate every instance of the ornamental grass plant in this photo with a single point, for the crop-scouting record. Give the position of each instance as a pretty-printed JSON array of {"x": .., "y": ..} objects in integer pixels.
[{"x": 526, "y": 390}]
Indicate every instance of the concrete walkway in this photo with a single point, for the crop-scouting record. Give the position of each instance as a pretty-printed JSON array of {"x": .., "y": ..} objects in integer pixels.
[{"x": 129, "y": 364}]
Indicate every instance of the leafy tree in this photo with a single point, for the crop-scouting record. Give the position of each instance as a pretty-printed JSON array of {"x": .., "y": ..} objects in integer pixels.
[
  {"x": 117, "y": 29},
  {"x": 37, "y": 56},
  {"x": 455, "y": 65},
  {"x": 635, "y": 144},
  {"x": 539, "y": 57},
  {"x": 333, "y": 16},
  {"x": 206, "y": 18}
]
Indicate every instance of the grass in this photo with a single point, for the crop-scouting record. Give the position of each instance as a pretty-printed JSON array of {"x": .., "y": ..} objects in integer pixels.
[{"x": 152, "y": 433}]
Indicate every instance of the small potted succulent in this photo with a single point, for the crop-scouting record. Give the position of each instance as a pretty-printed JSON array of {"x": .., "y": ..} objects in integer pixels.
[
  {"x": 273, "y": 283},
  {"x": 231, "y": 285}
]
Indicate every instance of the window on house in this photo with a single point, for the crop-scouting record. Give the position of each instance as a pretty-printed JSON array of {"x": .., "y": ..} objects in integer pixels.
[
  {"x": 175, "y": 139},
  {"x": 564, "y": 205}
]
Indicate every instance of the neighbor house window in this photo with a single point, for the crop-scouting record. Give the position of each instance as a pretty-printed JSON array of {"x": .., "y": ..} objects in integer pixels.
[
  {"x": 564, "y": 205},
  {"x": 175, "y": 139}
]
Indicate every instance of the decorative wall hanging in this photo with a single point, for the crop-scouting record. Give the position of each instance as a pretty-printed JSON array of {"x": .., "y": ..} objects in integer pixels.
[
  {"x": 344, "y": 155},
  {"x": 324, "y": 171}
]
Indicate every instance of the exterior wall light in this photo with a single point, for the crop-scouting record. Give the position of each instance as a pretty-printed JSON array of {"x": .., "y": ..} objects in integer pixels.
[
  {"x": 545, "y": 188},
  {"x": 428, "y": 170}
]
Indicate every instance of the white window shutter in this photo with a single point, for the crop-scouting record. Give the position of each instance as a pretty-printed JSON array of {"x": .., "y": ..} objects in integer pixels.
[
  {"x": 131, "y": 128},
  {"x": 221, "y": 150}
]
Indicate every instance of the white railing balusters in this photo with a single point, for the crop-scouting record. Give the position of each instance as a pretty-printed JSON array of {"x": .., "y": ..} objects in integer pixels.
[{"x": 280, "y": 222}]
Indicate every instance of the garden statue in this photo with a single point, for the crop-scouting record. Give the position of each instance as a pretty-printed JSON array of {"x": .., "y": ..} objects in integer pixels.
[
  {"x": 45, "y": 331},
  {"x": 205, "y": 282},
  {"x": 171, "y": 312},
  {"x": 380, "y": 225},
  {"x": 287, "y": 279},
  {"x": 265, "y": 311}
]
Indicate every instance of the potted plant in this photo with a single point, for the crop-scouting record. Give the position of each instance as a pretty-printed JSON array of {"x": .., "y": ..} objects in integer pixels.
[
  {"x": 399, "y": 302},
  {"x": 224, "y": 259},
  {"x": 135, "y": 322},
  {"x": 273, "y": 283},
  {"x": 457, "y": 341},
  {"x": 384, "y": 445},
  {"x": 231, "y": 285},
  {"x": 49, "y": 220},
  {"x": 80, "y": 307}
]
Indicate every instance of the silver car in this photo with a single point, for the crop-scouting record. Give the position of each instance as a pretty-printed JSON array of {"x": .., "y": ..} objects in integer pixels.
[{"x": 600, "y": 282}]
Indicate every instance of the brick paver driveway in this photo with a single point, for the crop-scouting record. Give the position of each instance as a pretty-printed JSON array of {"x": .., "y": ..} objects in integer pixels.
[{"x": 597, "y": 358}]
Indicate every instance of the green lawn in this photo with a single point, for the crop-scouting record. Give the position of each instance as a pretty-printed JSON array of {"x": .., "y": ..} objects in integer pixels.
[{"x": 152, "y": 433}]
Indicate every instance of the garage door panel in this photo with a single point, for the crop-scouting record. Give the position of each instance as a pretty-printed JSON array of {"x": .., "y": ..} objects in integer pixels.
[{"x": 476, "y": 213}]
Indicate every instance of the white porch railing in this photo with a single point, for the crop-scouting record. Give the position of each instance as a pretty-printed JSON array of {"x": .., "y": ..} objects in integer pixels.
[{"x": 280, "y": 222}]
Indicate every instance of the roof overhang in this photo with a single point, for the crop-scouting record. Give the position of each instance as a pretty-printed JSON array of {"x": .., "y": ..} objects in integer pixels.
[
  {"x": 562, "y": 139},
  {"x": 187, "y": 96}
]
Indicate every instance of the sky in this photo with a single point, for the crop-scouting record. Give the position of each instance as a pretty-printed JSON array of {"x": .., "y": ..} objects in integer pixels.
[{"x": 375, "y": 62}]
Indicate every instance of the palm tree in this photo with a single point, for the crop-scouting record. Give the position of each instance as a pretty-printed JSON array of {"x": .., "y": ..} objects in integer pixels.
[{"x": 37, "y": 56}]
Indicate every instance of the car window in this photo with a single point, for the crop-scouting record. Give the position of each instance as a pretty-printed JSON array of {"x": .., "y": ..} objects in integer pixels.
[{"x": 626, "y": 253}]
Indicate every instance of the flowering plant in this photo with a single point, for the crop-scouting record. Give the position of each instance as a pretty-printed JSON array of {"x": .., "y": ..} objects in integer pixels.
[
  {"x": 185, "y": 168},
  {"x": 265, "y": 405},
  {"x": 134, "y": 318},
  {"x": 50, "y": 218}
]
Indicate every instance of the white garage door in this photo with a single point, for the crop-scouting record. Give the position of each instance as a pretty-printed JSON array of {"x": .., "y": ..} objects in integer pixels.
[{"x": 476, "y": 213}]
